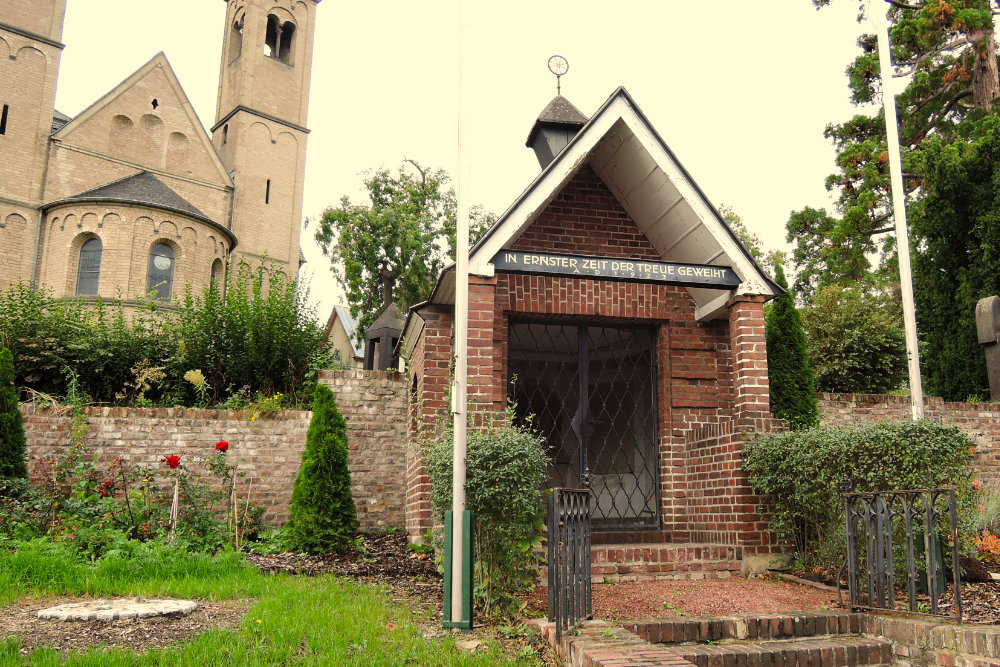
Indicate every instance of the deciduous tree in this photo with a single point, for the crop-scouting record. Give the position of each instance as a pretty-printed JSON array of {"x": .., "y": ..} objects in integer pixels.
[{"x": 395, "y": 241}]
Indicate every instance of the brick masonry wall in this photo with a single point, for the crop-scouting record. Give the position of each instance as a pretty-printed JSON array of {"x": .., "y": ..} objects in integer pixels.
[
  {"x": 721, "y": 506},
  {"x": 918, "y": 642},
  {"x": 267, "y": 450},
  {"x": 980, "y": 420}
]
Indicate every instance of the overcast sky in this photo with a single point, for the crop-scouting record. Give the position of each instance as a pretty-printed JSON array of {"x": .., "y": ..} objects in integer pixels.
[{"x": 740, "y": 91}]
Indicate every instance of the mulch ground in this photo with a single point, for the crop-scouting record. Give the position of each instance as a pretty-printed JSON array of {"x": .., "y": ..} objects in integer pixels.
[{"x": 413, "y": 579}]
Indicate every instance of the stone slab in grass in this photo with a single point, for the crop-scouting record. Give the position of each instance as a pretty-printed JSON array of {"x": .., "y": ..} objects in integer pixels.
[{"x": 118, "y": 608}]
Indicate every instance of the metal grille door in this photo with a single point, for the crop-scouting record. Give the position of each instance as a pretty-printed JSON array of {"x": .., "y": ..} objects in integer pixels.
[{"x": 591, "y": 392}]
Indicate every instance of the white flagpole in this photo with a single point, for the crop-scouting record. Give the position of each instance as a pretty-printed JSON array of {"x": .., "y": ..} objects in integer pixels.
[
  {"x": 459, "y": 386},
  {"x": 899, "y": 214}
]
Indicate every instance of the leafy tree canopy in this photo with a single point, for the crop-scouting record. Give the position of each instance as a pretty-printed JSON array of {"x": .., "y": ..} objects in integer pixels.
[
  {"x": 947, "y": 48},
  {"x": 397, "y": 239}
]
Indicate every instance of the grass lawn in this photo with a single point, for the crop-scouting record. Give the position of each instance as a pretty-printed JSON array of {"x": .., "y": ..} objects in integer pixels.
[{"x": 325, "y": 620}]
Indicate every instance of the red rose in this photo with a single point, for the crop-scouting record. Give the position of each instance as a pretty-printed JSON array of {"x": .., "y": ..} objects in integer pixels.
[
  {"x": 172, "y": 461},
  {"x": 222, "y": 445}
]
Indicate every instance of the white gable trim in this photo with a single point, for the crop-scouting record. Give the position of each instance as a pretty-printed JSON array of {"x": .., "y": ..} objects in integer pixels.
[{"x": 580, "y": 151}]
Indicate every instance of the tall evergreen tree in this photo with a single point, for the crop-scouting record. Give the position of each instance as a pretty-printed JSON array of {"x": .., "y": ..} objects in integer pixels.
[
  {"x": 958, "y": 224},
  {"x": 948, "y": 47},
  {"x": 12, "y": 440},
  {"x": 322, "y": 517},
  {"x": 793, "y": 390}
]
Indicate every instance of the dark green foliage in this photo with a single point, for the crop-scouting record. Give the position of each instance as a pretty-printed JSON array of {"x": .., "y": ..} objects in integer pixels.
[
  {"x": 958, "y": 261},
  {"x": 505, "y": 471},
  {"x": 262, "y": 338},
  {"x": 793, "y": 390},
  {"x": 322, "y": 518},
  {"x": 855, "y": 340},
  {"x": 798, "y": 474},
  {"x": 12, "y": 441}
]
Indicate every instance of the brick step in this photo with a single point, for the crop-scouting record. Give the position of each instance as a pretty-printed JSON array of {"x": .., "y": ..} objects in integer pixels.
[
  {"x": 838, "y": 651},
  {"x": 624, "y": 562},
  {"x": 746, "y": 626},
  {"x": 658, "y": 537}
]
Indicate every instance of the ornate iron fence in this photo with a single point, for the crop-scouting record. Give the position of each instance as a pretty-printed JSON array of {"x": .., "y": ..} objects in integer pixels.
[
  {"x": 569, "y": 558},
  {"x": 904, "y": 532}
]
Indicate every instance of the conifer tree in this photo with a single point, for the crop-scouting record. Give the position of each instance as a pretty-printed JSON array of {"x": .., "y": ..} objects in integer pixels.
[
  {"x": 793, "y": 389},
  {"x": 322, "y": 517},
  {"x": 12, "y": 441}
]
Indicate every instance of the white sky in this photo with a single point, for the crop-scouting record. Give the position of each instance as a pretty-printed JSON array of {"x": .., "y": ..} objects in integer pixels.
[{"x": 740, "y": 91}]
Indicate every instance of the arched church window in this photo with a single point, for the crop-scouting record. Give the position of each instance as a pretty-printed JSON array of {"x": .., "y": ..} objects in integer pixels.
[
  {"x": 88, "y": 271},
  {"x": 160, "y": 277},
  {"x": 278, "y": 39},
  {"x": 216, "y": 273},
  {"x": 236, "y": 38}
]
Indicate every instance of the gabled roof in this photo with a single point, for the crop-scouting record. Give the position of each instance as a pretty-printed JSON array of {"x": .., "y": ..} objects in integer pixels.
[
  {"x": 143, "y": 189},
  {"x": 159, "y": 61},
  {"x": 660, "y": 196},
  {"x": 349, "y": 324}
]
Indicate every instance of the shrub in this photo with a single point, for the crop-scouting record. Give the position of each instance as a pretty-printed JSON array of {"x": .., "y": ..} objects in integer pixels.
[
  {"x": 322, "y": 517},
  {"x": 798, "y": 474},
  {"x": 505, "y": 470},
  {"x": 793, "y": 389},
  {"x": 855, "y": 340},
  {"x": 12, "y": 441}
]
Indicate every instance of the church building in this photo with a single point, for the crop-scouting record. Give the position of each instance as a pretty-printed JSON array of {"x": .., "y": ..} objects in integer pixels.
[
  {"x": 613, "y": 305},
  {"x": 133, "y": 196}
]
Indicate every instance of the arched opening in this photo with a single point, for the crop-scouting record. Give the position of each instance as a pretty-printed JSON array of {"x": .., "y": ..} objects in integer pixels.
[
  {"x": 88, "y": 271},
  {"x": 160, "y": 277},
  {"x": 278, "y": 39},
  {"x": 217, "y": 274},
  {"x": 236, "y": 38}
]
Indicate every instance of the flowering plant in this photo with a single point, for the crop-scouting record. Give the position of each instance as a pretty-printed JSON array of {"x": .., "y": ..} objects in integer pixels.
[
  {"x": 222, "y": 446},
  {"x": 172, "y": 461}
]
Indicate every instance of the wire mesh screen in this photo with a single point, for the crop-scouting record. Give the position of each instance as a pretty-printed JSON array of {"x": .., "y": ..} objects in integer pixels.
[{"x": 590, "y": 391}]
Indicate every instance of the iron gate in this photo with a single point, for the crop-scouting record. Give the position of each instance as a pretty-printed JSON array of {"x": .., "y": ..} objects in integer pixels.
[
  {"x": 905, "y": 532},
  {"x": 591, "y": 392},
  {"x": 569, "y": 558}
]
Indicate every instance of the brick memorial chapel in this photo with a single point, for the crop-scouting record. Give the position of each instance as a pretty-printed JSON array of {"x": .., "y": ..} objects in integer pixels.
[{"x": 613, "y": 303}]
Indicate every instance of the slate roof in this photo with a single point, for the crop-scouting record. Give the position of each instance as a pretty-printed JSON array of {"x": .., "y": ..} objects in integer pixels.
[
  {"x": 350, "y": 326},
  {"x": 559, "y": 111}
]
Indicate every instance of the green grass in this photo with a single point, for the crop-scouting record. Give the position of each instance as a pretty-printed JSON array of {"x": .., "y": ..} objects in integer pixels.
[{"x": 323, "y": 620}]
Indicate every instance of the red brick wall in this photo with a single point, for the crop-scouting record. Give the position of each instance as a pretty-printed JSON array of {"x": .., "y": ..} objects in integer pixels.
[
  {"x": 585, "y": 218},
  {"x": 721, "y": 506},
  {"x": 706, "y": 374},
  {"x": 267, "y": 450},
  {"x": 979, "y": 420}
]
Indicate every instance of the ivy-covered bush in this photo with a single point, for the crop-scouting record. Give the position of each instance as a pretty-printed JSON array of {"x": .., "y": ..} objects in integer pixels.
[
  {"x": 322, "y": 517},
  {"x": 261, "y": 339},
  {"x": 12, "y": 441},
  {"x": 505, "y": 471},
  {"x": 798, "y": 474}
]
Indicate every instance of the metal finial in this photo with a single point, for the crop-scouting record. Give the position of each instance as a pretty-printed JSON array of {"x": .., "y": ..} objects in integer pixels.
[{"x": 558, "y": 66}]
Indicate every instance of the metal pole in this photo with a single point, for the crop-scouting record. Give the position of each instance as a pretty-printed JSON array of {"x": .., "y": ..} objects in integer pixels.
[
  {"x": 459, "y": 386},
  {"x": 899, "y": 214}
]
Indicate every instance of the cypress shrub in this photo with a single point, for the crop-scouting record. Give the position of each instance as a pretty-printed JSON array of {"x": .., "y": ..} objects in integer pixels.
[
  {"x": 793, "y": 388},
  {"x": 322, "y": 517},
  {"x": 12, "y": 441}
]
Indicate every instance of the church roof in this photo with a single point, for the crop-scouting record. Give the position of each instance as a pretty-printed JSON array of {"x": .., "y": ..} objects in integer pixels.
[{"x": 144, "y": 189}]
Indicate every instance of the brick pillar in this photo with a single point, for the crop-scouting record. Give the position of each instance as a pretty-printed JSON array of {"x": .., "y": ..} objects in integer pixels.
[{"x": 751, "y": 398}]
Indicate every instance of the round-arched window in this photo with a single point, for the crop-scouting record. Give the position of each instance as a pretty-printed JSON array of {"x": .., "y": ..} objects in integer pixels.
[
  {"x": 160, "y": 277},
  {"x": 88, "y": 271}
]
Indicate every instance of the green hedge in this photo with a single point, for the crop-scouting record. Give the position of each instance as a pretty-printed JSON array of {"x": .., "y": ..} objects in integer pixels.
[{"x": 798, "y": 474}]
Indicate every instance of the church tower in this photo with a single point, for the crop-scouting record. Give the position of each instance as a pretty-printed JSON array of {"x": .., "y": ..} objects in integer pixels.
[
  {"x": 260, "y": 129},
  {"x": 30, "y": 49}
]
